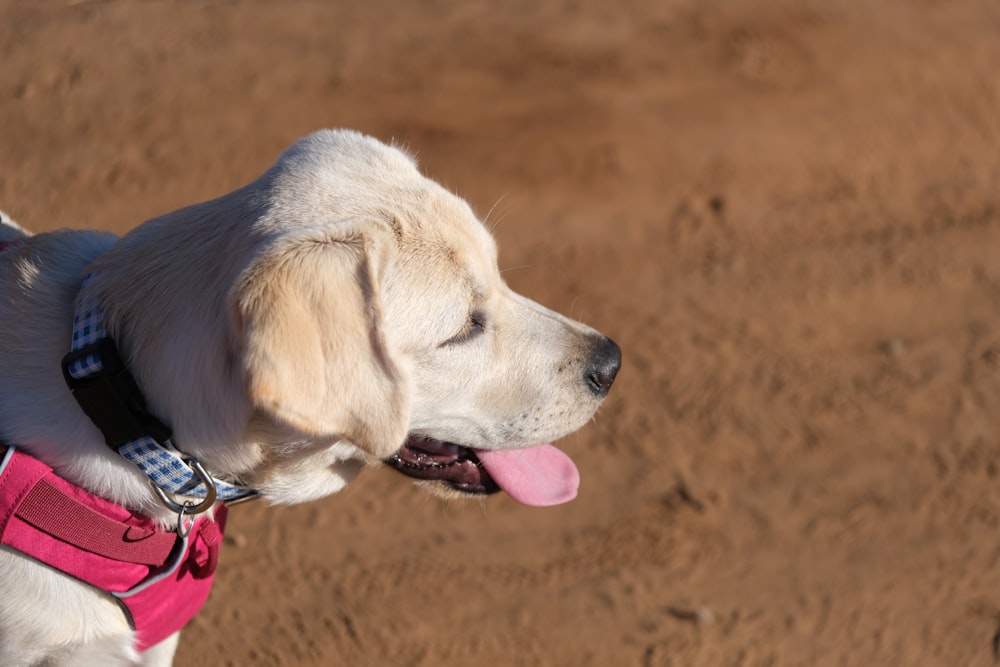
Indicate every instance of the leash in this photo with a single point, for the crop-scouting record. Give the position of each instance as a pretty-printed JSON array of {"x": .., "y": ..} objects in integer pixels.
[{"x": 107, "y": 392}]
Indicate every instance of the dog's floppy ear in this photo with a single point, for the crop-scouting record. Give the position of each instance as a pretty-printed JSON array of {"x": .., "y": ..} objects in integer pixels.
[{"x": 314, "y": 352}]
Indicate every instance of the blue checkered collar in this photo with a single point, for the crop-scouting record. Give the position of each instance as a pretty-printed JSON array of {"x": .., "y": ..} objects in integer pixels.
[{"x": 107, "y": 392}]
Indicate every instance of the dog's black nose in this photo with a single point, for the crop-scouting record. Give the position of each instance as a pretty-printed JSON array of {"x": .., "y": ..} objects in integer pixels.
[{"x": 605, "y": 360}]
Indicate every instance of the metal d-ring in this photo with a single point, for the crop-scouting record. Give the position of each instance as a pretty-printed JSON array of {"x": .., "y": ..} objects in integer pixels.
[
  {"x": 183, "y": 530},
  {"x": 187, "y": 507}
]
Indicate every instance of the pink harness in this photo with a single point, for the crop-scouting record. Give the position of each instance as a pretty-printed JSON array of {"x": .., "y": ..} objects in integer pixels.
[{"x": 159, "y": 578}]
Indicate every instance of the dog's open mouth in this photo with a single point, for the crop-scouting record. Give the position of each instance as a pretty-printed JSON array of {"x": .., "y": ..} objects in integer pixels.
[
  {"x": 540, "y": 475},
  {"x": 424, "y": 458}
]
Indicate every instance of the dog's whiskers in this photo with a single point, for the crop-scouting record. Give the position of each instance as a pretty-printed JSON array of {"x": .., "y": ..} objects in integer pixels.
[
  {"x": 516, "y": 267},
  {"x": 492, "y": 226}
]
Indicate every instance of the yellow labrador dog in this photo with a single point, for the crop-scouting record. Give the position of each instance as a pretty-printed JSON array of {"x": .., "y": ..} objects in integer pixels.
[{"x": 339, "y": 312}]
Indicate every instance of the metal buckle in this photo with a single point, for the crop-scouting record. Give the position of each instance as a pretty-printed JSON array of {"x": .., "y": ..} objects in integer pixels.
[
  {"x": 184, "y": 530},
  {"x": 188, "y": 507}
]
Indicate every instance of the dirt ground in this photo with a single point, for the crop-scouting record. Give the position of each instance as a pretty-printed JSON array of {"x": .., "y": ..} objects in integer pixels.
[{"x": 786, "y": 212}]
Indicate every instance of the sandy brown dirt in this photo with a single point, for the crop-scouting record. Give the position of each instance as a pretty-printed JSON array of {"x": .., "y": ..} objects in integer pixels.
[{"x": 788, "y": 214}]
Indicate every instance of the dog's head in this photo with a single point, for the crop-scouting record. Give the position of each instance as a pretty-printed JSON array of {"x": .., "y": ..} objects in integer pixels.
[{"x": 370, "y": 323}]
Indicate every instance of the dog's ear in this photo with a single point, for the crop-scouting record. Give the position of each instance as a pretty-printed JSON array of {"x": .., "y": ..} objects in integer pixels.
[{"x": 314, "y": 352}]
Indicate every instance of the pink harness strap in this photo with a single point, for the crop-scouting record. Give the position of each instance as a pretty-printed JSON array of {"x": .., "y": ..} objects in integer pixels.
[
  {"x": 48, "y": 509},
  {"x": 160, "y": 579}
]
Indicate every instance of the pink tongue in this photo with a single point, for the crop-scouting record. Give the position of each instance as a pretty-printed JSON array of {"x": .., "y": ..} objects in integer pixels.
[{"x": 539, "y": 476}]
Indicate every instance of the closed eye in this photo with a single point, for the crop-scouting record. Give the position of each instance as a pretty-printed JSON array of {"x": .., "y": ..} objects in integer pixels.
[{"x": 473, "y": 328}]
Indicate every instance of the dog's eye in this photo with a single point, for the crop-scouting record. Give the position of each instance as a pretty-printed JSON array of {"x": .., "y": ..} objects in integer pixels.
[{"x": 473, "y": 328}]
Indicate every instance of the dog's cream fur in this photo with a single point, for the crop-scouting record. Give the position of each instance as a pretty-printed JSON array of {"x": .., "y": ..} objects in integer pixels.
[{"x": 290, "y": 333}]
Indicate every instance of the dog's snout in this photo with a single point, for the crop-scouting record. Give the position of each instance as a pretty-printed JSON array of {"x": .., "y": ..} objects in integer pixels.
[{"x": 605, "y": 360}]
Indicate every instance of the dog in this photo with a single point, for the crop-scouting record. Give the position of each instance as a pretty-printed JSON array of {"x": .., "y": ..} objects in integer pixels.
[{"x": 340, "y": 312}]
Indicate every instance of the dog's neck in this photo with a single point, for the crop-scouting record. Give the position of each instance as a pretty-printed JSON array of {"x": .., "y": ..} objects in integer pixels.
[
  {"x": 175, "y": 329},
  {"x": 37, "y": 413},
  {"x": 108, "y": 394},
  {"x": 40, "y": 281}
]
